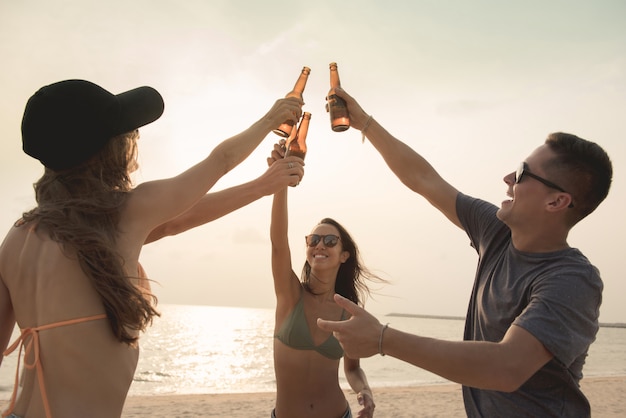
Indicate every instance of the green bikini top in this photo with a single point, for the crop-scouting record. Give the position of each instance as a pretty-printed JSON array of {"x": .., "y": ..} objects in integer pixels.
[{"x": 295, "y": 333}]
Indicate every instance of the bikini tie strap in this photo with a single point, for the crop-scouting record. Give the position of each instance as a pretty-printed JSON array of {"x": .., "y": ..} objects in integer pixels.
[{"x": 31, "y": 346}]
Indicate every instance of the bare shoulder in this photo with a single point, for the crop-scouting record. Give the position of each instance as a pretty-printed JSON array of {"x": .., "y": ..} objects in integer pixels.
[{"x": 13, "y": 242}]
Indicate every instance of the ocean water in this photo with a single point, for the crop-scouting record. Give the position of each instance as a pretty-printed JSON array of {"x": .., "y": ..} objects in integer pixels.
[{"x": 207, "y": 349}]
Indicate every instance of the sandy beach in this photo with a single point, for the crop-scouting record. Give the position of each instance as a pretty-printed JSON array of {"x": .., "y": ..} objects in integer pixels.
[{"x": 606, "y": 394}]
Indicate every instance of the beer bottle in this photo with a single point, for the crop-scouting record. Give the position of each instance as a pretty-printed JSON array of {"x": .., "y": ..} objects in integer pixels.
[
  {"x": 296, "y": 144},
  {"x": 336, "y": 106},
  {"x": 285, "y": 129}
]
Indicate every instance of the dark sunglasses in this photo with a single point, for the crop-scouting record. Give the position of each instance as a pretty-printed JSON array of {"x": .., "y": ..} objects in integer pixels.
[
  {"x": 314, "y": 239},
  {"x": 523, "y": 170}
]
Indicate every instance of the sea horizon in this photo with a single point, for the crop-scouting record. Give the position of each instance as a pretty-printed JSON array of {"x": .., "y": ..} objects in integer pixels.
[
  {"x": 200, "y": 349},
  {"x": 462, "y": 318}
]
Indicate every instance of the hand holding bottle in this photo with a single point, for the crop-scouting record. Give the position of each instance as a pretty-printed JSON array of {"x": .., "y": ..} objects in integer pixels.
[
  {"x": 282, "y": 172},
  {"x": 358, "y": 116},
  {"x": 336, "y": 107},
  {"x": 286, "y": 127},
  {"x": 291, "y": 165},
  {"x": 289, "y": 108}
]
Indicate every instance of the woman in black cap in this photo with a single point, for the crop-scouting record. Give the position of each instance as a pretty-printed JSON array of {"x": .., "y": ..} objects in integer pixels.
[{"x": 69, "y": 270}]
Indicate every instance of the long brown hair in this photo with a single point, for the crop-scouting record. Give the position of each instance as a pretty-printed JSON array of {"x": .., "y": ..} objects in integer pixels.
[{"x": 80, "y": 208}]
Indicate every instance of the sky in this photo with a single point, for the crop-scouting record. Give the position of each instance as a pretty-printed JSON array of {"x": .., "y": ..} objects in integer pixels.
[{"x": 474, "y": 87}]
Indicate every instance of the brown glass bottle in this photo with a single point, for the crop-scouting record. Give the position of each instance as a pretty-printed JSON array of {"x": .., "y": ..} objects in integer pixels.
[
  {"x": 285, "y": 129},
  {"x": 336, "y": 106},
  {"x": 296, "y": 144}
]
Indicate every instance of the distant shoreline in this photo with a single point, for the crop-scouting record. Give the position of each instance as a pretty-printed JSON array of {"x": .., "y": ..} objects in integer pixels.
[
  {"x": 460, "y": 318},
  {"x": 406, "y": 315},
  {"x": 613, "y": 325}
]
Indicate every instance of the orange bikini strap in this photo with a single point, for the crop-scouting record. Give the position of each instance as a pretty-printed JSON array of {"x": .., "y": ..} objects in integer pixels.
[{"x": 27, "y": 348}]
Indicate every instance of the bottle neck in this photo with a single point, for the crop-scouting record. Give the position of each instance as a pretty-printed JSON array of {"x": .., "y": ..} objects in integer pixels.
[
  {"x": 334, "y": 78},
  {"x": 300, "y": 84},
  {"x": 303, "y": 129}
]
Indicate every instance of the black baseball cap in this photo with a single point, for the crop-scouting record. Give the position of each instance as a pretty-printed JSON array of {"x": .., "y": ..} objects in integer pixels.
[{"x": 68, "y": 122}]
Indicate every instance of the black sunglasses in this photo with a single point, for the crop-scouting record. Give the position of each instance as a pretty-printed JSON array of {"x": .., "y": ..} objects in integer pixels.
[
  {"x": 314, "y": 239},
  {"x": 523, "y": 170}
]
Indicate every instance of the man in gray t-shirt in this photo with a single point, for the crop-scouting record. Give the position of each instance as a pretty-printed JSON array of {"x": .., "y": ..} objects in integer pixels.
[
  {"x": 534, "y": 306},
  {"x": 555, "y": 296}
]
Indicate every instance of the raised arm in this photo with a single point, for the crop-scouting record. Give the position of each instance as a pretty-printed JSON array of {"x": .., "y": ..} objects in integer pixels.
[
  {"x": 217, "y": 204},
  {"x": 155, "y": 202},
  {"x": 410, "y": 167},
  {"x": 286, "y": 282}
]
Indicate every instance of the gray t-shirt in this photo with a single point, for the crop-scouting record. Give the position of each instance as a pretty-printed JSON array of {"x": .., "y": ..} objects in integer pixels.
[{"x": 555, "y": 296}]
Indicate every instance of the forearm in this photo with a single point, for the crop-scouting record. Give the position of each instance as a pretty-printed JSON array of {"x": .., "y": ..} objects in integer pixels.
[
  {"x": 161, "y": 201},
  {"x": 286, "y": 283},
  {"x": 209, "y": 208},
  {"x": 414, "y": 171},
  {"x": 358, "y": 382},
  {"x": 357, "y": 379},
  {"x": 409, "y": 166},
  {"x": 483, "y": 365},
  {"x": 154, "y": 203},
  {"x": 279, "y": 219},
  {"x": 232, "y": 151}
]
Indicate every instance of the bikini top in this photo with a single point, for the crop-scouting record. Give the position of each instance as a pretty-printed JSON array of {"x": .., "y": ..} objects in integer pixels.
[
  {"x": 294, "y": 333},
  {"x": 28, "y": 341}
]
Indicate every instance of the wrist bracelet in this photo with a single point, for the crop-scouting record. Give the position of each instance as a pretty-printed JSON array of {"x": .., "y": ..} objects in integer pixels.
[
  {"x": 380, "y": 339},
  {"x": 367, "y": 124}
]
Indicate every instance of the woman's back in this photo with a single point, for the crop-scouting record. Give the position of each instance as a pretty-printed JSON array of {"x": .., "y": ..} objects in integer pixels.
[{"x": 86, "y": 371}]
